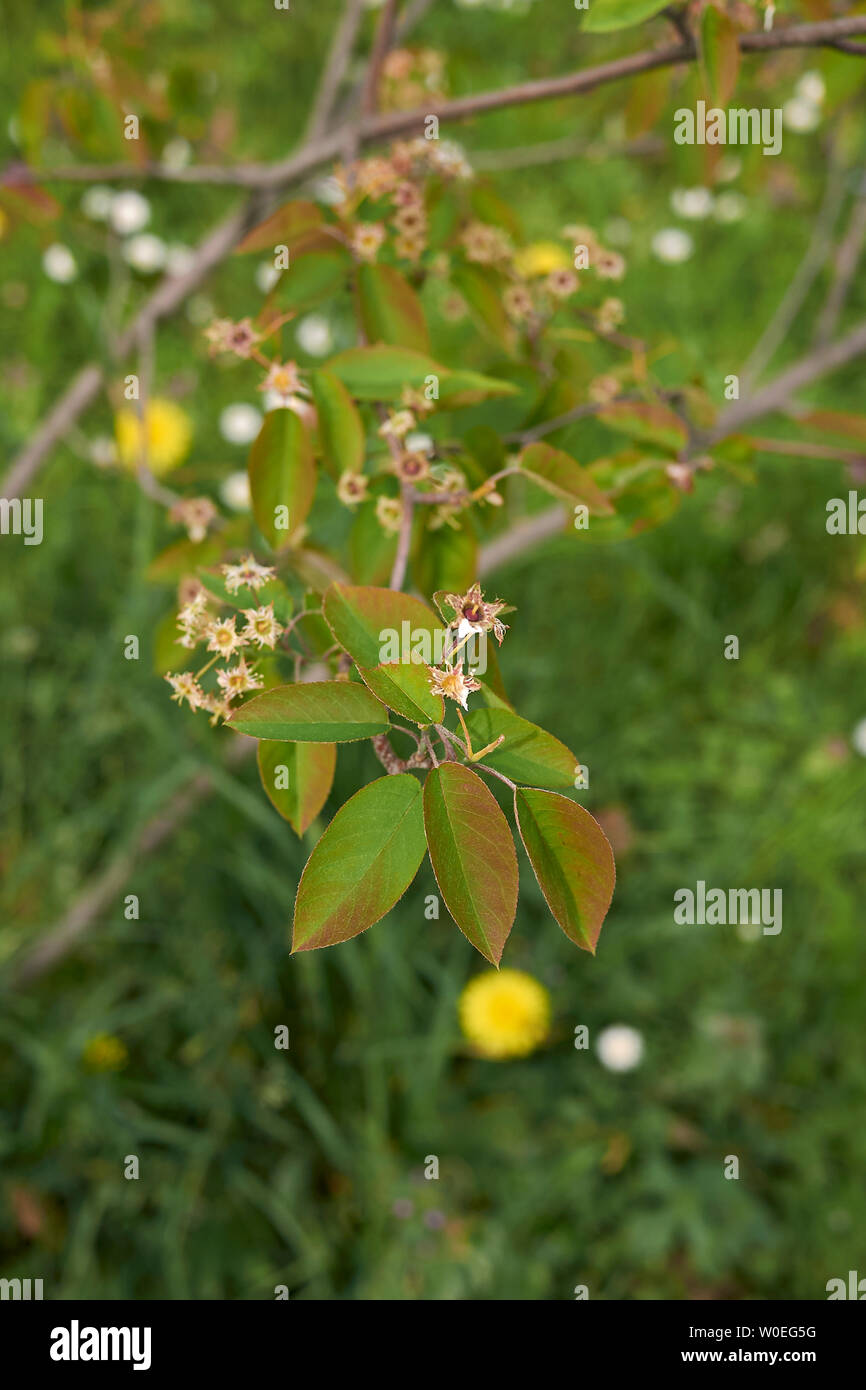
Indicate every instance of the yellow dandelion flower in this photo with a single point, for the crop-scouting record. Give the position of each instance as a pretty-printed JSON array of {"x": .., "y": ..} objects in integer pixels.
[
  {"x": 104, "y": 1052},
  {"x": 506, "y": 1014},
  {"x": 168, "y": 434},
  {"x": 540, "y": 258}
]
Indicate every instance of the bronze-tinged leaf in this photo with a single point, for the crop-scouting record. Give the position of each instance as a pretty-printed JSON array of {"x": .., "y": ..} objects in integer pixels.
[
  {"x": 362, "y": 865},
  {"x": 390, "y": 309},
  {"x": 473, "y": 856},
  {"x": 292, "y": 225},
  {"x": 719, "y": 48},
  {"x": 559, "y": 473},
  {"x": 572, "y": 860},
  {"x": 297, "y": 778}
]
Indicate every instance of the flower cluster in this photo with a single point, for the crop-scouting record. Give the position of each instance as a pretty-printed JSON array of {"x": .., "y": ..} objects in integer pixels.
[
  {"x": 222, "y": 636},
  {"x": 398, "y": 179},
  {"x": 472, "y": 616},
  {"x": 411, "y": 78}
]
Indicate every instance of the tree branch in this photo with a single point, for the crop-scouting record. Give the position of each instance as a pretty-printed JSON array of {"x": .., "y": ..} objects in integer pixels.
[{"x": 219, "y": 243}]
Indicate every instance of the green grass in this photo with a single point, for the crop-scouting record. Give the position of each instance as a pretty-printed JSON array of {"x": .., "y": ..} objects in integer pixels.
[{"x": 261, "y": 1167}]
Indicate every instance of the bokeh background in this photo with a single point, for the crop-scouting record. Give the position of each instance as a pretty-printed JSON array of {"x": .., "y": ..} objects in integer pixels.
[{"x": 155, "y": 1037}]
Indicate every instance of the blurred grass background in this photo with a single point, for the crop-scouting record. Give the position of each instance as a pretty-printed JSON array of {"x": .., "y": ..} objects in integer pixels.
[{"x": 305, "y": 1168}]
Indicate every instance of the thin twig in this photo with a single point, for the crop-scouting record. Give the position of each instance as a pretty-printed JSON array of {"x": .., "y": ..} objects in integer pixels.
[
  {"x": 845, "y": 266},
  {"x": 381, "y": 44}
]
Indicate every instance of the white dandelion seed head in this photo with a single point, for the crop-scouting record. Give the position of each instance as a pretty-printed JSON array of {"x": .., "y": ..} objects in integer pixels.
[
  {"x": 235, "y": 491},
  {"x": 800, "y": 115},
  {"x": 96, "y": 203},
  {"x": 145, "y": 253},
  {"x": 730, "y": 207},
  {"x": 267, "y": 276},
  {"x": 692, "y": 203},
  {"x": 672, "y": 245},
  {"x": 59, "y": 264},
  {"x": 177, "y": 154},
  {"x": 811, "y": 88},
  {"x": 240, "y": 423},
  {"x": 620, "y": 1048},
  {"x": 314, "y": 335},
  {"x": 130, "y": 211}
]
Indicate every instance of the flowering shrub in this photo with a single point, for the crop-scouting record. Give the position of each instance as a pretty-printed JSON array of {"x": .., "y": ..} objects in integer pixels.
[{"x": 296, "y": 631}]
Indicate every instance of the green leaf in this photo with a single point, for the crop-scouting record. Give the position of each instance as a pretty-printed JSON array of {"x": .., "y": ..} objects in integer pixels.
[
  {"x": 310, "y": 278},
  {"x": 372, "y": 549},
  {"x": 362, "y": 865},
  {"x": 379, "y": 373},
  {"x": 473, "y": 856},
  {"x": 308, "y": 771},
  {"x": 390, "y": 309},
  {"x": 460, "y": 388},
  {"x": 282, "y": 474},
  {"x": 315, "y": 712},
  {"x": 572, "y": 860},
  {"x": 341, "y": 430},
  {"x": 649, "y": 423},
  {"x": 606, "y": 15},
  {"x": 291, "y": 225},
  {"x": 719, "y": 55},
  {"x": 368, "y": 621},
  {"x": 482, "y": 290},
  {"x": 527, "y": 754},
  {"x": 404, "y": 686},
  {"x": 446, "y": 559},
  {"x": 559, "y": 473}
]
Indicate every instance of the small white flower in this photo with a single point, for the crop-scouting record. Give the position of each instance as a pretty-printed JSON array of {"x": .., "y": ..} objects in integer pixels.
[
  {"x": 328, "y": 191},
  {"x": 729, "y": 167},
  {"x": 620, "y": 1048},
  {"x": 103, "y": 451},
  {"x": 692, "y": 203},
  {"x": 59, "y": 263},
  {"x": 800, "y": 115},
  {"x": 811, "y": 88},
  {"x": 177, "y": 153},
  {"x": 130, "y": 211},
  {"x": 235, "y": 491},
  {"x": 96, "y": 203},
  {"x": 314, "y": 335},
  {"x": 267, "y": 276},
  {"x": 240, "y": 423},
  {"x": 145, "y": 252},
  {"x": 179, "y": 258},
  {"x": 419, "y": 443},
  {"x": 858, "y": 737},
  {"x": 730, "y": 207},
  {"x": 672, "y": 245}
]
